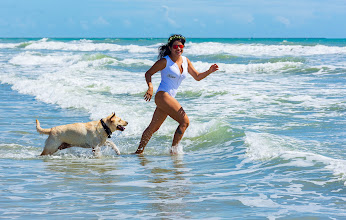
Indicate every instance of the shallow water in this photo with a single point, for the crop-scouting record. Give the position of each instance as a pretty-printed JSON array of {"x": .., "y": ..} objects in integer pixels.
[{"x": 266, "y": 139}]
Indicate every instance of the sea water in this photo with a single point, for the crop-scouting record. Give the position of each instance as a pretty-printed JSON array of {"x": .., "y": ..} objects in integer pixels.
[{"x": 266, "y": 138}]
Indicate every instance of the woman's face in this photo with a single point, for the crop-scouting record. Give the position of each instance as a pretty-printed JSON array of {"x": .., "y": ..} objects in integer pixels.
[{"x": 177, "y": 48}]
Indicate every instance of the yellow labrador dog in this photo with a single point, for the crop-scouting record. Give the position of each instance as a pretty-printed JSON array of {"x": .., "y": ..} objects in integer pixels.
[{"x": 87, "y": 135}]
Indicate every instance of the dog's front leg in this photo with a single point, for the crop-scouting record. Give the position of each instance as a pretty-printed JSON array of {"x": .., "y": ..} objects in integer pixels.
[
  {"x": 110, "y": 143},
  {"x": 97, "y": 151}
]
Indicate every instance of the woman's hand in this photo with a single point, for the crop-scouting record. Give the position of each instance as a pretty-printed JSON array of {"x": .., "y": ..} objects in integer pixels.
[
  {"x": 213, "y": 68},
  {"x": 148, "y": 94}
]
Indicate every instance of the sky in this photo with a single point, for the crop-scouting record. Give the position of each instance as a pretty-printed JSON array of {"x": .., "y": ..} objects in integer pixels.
[{"x": 161, "y": 18}]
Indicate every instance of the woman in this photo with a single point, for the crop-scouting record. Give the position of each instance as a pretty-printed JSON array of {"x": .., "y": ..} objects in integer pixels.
[{"x": 174, "y": 68}]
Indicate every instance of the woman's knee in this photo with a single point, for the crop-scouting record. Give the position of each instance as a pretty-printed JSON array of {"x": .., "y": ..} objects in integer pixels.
[{"x": 185, "y": 123}]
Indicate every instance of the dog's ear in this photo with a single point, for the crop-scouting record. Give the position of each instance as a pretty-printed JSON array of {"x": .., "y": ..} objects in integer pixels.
[{"x": 112, "y": 116}]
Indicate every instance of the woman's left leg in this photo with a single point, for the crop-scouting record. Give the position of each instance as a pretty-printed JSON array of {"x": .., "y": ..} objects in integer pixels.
[{"x": 172, "y": 107}]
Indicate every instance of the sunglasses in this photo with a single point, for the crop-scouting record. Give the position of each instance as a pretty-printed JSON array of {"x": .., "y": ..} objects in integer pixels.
[{"x": 176, "y": 46}]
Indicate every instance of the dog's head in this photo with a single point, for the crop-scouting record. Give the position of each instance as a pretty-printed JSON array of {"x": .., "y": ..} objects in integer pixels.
[{"x": 115, "y": 123}]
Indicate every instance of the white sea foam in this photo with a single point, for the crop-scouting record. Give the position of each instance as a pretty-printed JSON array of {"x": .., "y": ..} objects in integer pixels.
[
  {"x": 261, "y": 49},
  {"x": 267, "y": 68},
  {"x": 260, "y": 201},
  {"x": 8, "y": 45},
  {"x": 79, "y": 81},
  {"x": 86, "y": 45},
  {"x": 19, "y": 152},
  {"x": 137, "y": 62},
  {"x": 191, "y": 48},
  {"x": 265, "y": 146},
  {"x": 15, "y": 151},
  {"x": 32, "y": 59}
]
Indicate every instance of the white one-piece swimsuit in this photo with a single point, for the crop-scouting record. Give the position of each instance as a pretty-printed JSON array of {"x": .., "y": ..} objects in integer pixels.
[{"x": 171, "y": 77}]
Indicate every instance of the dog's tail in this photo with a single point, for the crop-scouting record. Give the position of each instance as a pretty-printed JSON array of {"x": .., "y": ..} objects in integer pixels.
[{"x": 41, "y": 130}]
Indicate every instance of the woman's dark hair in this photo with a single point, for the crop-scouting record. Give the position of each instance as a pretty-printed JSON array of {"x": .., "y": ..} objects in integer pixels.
[{"x": 164, "y": 49}]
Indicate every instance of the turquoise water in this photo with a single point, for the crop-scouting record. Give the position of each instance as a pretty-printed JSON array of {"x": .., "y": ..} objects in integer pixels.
[{"x": 266, "y": 138}]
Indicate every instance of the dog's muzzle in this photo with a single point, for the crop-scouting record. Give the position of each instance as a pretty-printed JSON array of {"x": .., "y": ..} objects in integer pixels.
[{"x": 121, "y": 128}]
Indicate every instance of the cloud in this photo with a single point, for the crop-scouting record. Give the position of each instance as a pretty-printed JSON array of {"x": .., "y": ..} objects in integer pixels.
[
  {"x": 199, "y": 23},
  {"x": 100, "y": 21},
  {"x": 166, "y": 16},
  {"x": 283, "y": 20}
]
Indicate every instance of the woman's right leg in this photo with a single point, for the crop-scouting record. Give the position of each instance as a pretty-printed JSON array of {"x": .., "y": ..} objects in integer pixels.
[{"x": 159, "y": 117}]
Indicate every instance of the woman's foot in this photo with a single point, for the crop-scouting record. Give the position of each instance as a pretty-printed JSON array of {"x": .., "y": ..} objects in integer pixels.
[
  {"x": 139, "y": 151},
  {"x": 176, "y": 150}
]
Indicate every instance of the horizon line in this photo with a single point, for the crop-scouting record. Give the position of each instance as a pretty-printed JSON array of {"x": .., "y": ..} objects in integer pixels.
[{"x": 166, "y": 37}]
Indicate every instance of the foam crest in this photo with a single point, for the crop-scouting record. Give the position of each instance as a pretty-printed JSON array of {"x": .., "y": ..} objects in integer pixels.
[
  {"x": 264, "y": 146},
  {"x": 34, "y": 59},
  {"x": 260, "y": 201},
  {"x": 201, "y": 49},
  {"x": 69, "y": 91},
  {"x": 83, "y": 61},
  {"x": 257, "y": 50},
  {"x": 18, "y": 152},
  {"x": 30, "y": 58},
  {"x": 8, "y": 45},
  {"x": 87, "y": 45},
  {"x": 278, "y": 67},
  {"x": 139, "y": 62}
]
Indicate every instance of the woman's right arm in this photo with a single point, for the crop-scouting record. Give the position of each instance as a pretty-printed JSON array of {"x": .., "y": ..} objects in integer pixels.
[{"x": 158, "y": 66}]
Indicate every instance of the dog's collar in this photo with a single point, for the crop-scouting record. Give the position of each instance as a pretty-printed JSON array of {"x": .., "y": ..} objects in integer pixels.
[{"x": 107, "y": 129}]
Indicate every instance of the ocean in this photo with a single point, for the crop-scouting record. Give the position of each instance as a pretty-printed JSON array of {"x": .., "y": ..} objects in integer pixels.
[{"x": 266, "y": 138}]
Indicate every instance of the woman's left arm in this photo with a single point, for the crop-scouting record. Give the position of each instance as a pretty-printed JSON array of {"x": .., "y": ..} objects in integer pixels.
[{"x": 199, "y": 76}]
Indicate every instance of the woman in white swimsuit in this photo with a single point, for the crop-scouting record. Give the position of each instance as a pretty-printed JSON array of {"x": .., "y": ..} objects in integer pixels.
[{"x": 174, "y": 68}]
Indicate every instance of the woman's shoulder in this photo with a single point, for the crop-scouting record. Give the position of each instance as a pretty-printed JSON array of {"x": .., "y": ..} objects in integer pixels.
[
  {"x": 185, "y": 59},
  {"x": 167, "y": 59},
  {"x": 161, "y": 63}
]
